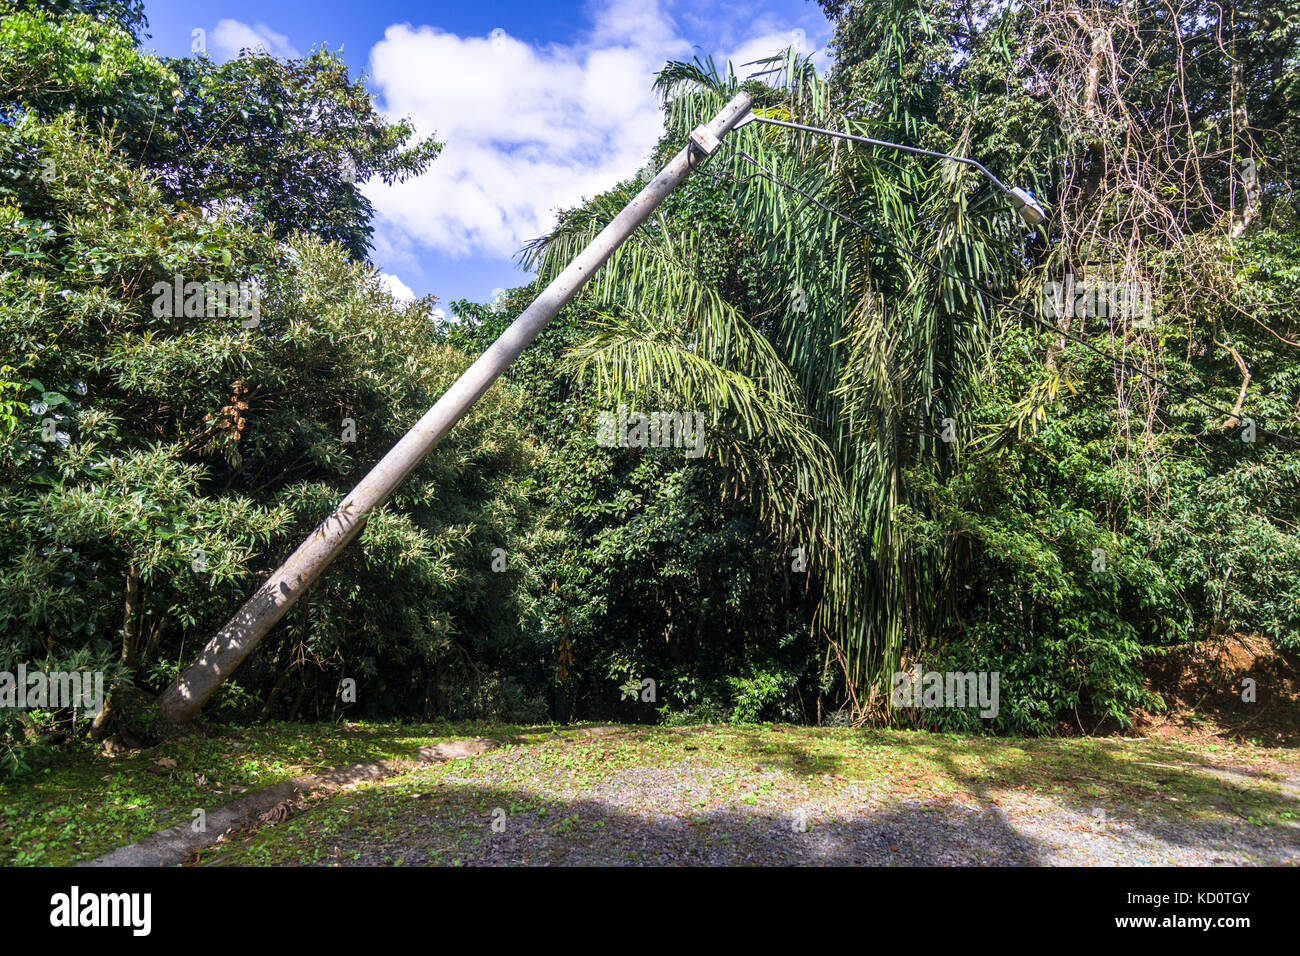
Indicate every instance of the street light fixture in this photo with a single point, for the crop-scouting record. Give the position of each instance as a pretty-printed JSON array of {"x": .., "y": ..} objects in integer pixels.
[{"x": 1024, "y": 204}]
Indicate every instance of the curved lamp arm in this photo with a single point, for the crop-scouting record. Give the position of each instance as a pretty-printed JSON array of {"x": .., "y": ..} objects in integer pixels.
[{"x": 1025, "y": 204}]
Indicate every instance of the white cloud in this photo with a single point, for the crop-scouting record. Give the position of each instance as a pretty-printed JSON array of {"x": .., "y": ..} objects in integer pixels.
[
  {"x": 399, "y": 290},
  {"x": 231, "y": 36},
  {"x": 529, "y": 129}
]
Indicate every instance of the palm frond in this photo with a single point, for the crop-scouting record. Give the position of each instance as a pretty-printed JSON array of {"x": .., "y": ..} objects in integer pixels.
[{"x": 862, "y": 357}]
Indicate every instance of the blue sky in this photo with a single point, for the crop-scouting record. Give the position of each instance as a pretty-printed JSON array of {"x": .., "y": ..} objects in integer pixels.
[{"x": 539, "y": 103}]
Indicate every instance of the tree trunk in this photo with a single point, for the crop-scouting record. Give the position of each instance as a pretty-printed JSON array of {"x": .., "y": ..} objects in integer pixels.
[
  {"x": 1249, "y": 174},
  {"x": 110, "y": 713}
]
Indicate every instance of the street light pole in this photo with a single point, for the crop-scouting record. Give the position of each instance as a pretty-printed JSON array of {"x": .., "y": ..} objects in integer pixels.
[{"x": 229, "y": 646}]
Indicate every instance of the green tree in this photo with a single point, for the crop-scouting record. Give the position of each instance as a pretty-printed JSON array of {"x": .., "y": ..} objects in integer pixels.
[
  {"x": 159, "y": 453},
  {"x": 285, "y": 141}
]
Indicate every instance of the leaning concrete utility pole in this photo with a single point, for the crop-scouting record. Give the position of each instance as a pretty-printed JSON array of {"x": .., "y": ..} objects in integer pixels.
[{"x": 229, "y": 646}]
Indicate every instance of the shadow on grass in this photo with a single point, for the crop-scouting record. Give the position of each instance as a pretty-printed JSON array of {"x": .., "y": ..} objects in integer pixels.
[
  {"x": 455, "y": 827},
  {"x": 793, "y": 753},
  {"x": 84, "y": 803},
  {"x": 929, "y": 799},
  {"x": 1173, "y": 796}
]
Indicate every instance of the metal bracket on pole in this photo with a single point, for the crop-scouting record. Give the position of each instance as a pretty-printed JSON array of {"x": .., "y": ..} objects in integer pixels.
[{"x": 704, "y": 140}]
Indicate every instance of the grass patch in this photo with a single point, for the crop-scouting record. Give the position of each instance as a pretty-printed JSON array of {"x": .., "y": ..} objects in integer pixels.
[
  {"x": 86, "y": 803},
  {"x": 560, "y": 787}
]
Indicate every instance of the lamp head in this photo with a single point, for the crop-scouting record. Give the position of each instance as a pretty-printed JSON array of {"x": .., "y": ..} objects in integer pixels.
[{"x": 1030, "y": 211}]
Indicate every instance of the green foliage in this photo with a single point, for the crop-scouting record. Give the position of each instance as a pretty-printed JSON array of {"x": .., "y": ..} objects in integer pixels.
[
  {"x": 895, "y": 468},
  {"x": 636, "y": 561},
  {"x": 128, "y": 14},
  {"x": 759, "y": 694},
  {"x": 289, "y": 142},
  {"x": 832, "y": 362},
  {"x": 294, "y": 142},
  {"x": 155, "y": 463}
]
